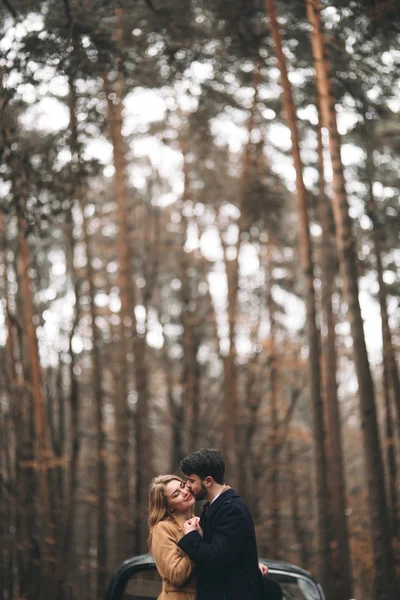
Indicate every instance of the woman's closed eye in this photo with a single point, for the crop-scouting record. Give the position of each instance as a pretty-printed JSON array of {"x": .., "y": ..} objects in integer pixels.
[{"x": 177, "y": 492}]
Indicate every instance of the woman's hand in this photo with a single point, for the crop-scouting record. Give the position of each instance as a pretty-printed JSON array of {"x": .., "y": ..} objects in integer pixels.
[{"x": 192, "y": 524}]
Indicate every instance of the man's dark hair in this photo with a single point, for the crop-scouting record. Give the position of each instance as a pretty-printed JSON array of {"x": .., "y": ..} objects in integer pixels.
[{"x": 204, "y": 463}]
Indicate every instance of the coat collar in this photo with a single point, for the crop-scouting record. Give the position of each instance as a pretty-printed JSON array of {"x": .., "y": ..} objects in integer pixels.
[{"x": 211, "y": 508}]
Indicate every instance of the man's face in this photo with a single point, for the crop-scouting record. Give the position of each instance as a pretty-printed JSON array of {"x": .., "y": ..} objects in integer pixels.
[{"x": 197, "y": 487}]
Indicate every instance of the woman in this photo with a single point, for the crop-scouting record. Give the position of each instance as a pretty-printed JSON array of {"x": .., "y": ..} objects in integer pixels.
[{"x": 170, "y": 505}]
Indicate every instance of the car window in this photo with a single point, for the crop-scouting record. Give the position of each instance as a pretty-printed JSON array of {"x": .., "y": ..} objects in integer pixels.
[
  {"x": 296, "y": 588},
  {"x": 145, "y": 585}
]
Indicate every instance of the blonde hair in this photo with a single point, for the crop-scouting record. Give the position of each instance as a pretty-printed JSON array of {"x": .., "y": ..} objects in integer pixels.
[{"x": 158, "y": 502}]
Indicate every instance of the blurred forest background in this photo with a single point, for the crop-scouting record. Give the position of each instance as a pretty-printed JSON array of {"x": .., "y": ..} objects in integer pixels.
[{"x": 199, "y": 246}]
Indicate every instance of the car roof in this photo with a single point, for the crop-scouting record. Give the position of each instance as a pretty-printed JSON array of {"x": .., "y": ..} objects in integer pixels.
[
  {"x": 281, "y": 565},
  {"x": 146, "y": 561}
]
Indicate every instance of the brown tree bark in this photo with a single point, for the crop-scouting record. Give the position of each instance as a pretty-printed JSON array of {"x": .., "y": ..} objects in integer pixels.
[
  {"x": 385, "y": 581},
  {"x": 78, "y": 194},
  {"x": 175, "y": 414},
  {"x": 312, "y": 330},
  {"x": 339, "y": 531},
  {"x": 296, "y": 516},
  {"x": 42, "y": 453},
  {"x": 231, "y": 433},
  {"x": 101, "y": 462},
  {"x": 127, "y": 324},
  {"x": 391, "y": 386},
  {"x": 10, "y": 367},
  {"x": 143, "y": 449},
  {"x": 8, "y": 450},
  {"x": 190, "y": 372},
  {"x": 66, "y": 562},
  {"x": 274, "y": 432}
]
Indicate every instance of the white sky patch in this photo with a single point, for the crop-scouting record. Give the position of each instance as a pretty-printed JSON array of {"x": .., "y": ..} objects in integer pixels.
[
  {"x": 372, "y": 319},
  {"x": 249, "y": 260},
  {"x": 295, "y": 315},
  {"x": 58, "y": 85},
  {"x": 229, "y": 132},
  {"x": 210, "y": 244},
  {"x": 134, "y": 114},
  {"x": 280, "y": 136},
  {"x": 100, "y": 149},
  {"x": 48, "y": 115},
  {"x": 308, "y": 113},
  {"x": 351, "y": 154},
  {"x": 201, "y": 71},
  {"x": 346, "y": 119}
]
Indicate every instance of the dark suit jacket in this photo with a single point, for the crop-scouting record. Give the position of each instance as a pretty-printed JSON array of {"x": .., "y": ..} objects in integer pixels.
[{"x": 226, "y": 556}]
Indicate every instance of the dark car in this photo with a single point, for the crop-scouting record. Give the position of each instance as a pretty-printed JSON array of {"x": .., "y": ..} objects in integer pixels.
[{"x": 137, "y": 579}]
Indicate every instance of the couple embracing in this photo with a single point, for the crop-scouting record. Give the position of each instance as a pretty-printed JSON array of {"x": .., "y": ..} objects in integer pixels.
[{"x": 211, "y": 558}]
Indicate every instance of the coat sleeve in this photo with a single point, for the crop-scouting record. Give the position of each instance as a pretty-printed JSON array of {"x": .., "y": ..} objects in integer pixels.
[
  {"x": 172, "y": 563},
  {"x": 229, "y": 534}
]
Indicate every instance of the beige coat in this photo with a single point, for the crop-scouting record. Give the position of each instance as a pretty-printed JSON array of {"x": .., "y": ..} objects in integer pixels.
[{"x": 174, "y": 566}]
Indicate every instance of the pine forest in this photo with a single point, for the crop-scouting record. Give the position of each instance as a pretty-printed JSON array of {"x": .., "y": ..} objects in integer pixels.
[{"x": 199, "y": 247}]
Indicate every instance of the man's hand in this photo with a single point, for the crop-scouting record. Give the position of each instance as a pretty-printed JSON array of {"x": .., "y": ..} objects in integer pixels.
[
  {"x": 192, "y": 524},
  {"x": 263, "y": 569}
]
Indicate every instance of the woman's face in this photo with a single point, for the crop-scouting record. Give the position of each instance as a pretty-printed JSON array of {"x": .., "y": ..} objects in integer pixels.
[{"x": 179, "y": 496}]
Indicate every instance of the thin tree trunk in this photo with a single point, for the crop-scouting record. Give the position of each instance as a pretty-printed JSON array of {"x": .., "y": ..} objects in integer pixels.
[
  {"x": 126, "y": 317},
  {"x": 11, "y": 371},
  {"x": 339, "y": 530},
  {"x": 247, "y": 454},
  {"x": 190, "y": 384},
  {"x": 294, "y": 502},
  {"x": 231, "y": 433},
  {"x": 101, "y": 463},
  {"x": 175, "y": 413},
  {"x": 391, "y": 387},
  {"x": 128, "y": 303},
  {"x": 385, "y": 580},
  {"x": 312, "y": 331},
  {"x": 74, "y": 414},
  {"x": 42, "y": 451},
  {"x": 8, "y": 491},
  {"x": 275, "y": 503}
]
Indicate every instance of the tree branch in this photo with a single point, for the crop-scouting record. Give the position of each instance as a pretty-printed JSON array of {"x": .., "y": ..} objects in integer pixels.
[{"x": 11, "y": 9}]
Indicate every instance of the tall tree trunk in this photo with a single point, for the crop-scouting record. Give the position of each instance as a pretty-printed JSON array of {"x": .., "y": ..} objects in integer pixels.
[
  {"x": 8, "y": 487},
  {"x": 385, "y": 585},
  {"x": 339, "y": 530},
  {"x": 391, "y": 386},
  {"x": 101, "y": 464},
  {"x": 175, "y": 413},
  {"x": 248, "y": 456},
  {"x": 126, "y": 316},
  {"x": 74, "y": 413},
  {"x": 294, "y": 502},
  {"x": 275, "y": 501},
  {"x": 128, "y": 304},
  {"x": 41, "y": 447},
  {"x": 312, "y": 331},
  {"x": 231, "y": 433},
  {"x": 10, "y": 367},
  {"x": 190, "y": 383},
  {"x": 78, "y": 193}
]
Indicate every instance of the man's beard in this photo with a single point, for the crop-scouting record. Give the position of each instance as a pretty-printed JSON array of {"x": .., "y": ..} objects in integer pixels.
[{"x": 202, "y": 494}]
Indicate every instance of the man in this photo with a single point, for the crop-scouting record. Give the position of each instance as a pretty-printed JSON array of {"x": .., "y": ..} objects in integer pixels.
[{"x": 226, "y": 552}]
